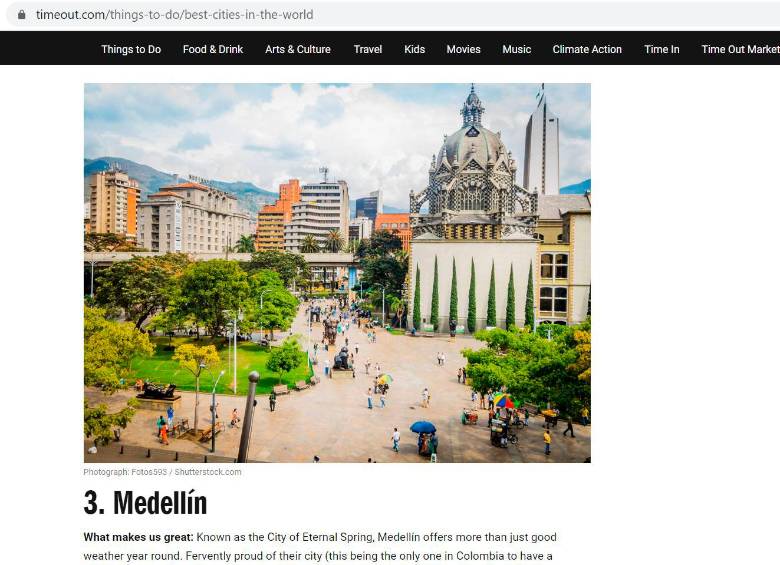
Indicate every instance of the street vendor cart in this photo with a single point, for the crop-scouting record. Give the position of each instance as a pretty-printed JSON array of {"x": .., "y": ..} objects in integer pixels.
[
  {"x": 550, "y": 417},
  {"x": 469, "y": 416}
]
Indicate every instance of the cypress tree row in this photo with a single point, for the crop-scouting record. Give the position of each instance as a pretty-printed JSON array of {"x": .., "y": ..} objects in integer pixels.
[
  {"x": 416, "y": 314},
  {"x": 435, "y": 295},
  {"x": 491, "y": 305},
  {"x": 472, "y": 319},
  {"x": 454, "y": 295},
  {"x": 529, "y": 299},
  {"x": 510, "y": 298}
]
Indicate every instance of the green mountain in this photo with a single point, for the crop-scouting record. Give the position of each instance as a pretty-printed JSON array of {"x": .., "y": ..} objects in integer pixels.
[{"x": 250, "y": 197}]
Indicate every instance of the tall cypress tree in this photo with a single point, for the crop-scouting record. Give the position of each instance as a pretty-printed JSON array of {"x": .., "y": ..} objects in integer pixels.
[
  {"x": 416, "y": 315},
  {"x": 472, "y": 320},
  {"x": 491, "y": 305},
  {"x": 454, "y": 295},
  {"x": 529, "y": 299},
  {"x": 510, "y": 298},
  {"x": 435, "y": 295}
]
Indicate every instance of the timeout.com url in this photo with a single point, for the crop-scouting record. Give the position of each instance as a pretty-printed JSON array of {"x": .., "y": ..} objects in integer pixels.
[{"x": 174, "y": 15}]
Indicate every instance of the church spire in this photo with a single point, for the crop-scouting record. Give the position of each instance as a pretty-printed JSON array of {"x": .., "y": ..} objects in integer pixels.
[{"x": 472, "y": 109}]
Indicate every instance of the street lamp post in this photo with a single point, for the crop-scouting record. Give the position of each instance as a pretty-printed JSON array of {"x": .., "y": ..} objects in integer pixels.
[
  {"x": 261, "y": 312},
  {"x": 249, "y": 413},
  {"x": 214, "y": 411}
]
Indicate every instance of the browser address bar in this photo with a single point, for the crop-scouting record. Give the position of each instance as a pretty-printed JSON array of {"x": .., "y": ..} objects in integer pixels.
[{"x": 464, "y": 14}]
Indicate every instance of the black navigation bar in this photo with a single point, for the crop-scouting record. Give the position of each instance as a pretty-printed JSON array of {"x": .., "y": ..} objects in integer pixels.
[{"x": 390, "y": 48}]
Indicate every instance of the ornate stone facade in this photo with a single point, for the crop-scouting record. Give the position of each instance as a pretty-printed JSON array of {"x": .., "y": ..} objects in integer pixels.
[{"x": 471, "y": 192}]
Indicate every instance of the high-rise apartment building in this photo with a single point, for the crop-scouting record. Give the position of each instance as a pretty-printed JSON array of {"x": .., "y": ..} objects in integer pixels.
[
  {"x": 369, "y": 206},
  {"x": 360, "y": 228},
  {"x": 113, "y": 202},
  {"x": 272, "y": 218},
  {"x": 397, "y": 224},
  {"x": 323, "y": 207},
  {"x": 542, "y": 170},
  {"x": 191, "y": 217}
]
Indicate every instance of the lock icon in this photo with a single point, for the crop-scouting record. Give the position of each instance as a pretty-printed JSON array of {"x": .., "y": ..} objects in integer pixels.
[{"x": 21, "y": 15}]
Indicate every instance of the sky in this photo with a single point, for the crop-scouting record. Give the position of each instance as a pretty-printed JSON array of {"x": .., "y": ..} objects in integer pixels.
[{"x": 374, "y": 136}]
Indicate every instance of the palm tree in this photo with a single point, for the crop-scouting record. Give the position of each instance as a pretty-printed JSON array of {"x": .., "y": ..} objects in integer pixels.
[
  {"x": 246, "y": 244},
  {"x": 309, "y": 245},
  {"x": 333, "y": 241}
]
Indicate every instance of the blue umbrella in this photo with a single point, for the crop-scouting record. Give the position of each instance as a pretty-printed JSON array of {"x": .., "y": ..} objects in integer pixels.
[{"x": 422, "y": 427}]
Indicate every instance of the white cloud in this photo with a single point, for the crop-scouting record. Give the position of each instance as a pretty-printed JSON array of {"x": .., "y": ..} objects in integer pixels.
[{"x": 369, "y": 136}]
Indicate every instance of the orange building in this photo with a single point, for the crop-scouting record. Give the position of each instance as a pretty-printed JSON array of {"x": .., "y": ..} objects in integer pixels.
[
  {"x": 397, "y": 224},
  {"x": 112, "y": 203},
  {"x": 272, "y": 218}
]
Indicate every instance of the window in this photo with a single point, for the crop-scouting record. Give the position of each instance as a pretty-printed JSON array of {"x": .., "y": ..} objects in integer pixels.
[
  {"x": 547, "y": 269},
  {"x": 553, "y": 300},
  {"x": 561, "y": 266},
  {"x": 555, "y": 266}
]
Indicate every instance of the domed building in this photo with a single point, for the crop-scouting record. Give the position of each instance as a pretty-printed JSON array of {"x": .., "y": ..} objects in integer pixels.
[
  {"x": 476, "y": 216},
  {"x": 471, "y": 192}
]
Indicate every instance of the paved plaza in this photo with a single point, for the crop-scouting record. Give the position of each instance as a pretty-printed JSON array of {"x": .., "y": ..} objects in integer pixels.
[{"x": 332, "y": 419}]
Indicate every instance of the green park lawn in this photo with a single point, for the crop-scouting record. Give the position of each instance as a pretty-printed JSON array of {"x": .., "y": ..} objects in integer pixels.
[{"x": 162, "y": 369}]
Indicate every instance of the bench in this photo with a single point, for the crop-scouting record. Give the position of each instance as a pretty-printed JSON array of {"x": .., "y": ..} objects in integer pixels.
[
  {"x": 281, "y": 389},
  {"x": 212, "y": 430},
  {"x": 301, "y": 385}
]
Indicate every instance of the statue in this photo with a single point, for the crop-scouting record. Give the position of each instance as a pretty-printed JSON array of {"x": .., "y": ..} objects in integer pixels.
[
  {"x": 341, "y": 360},
  {"x": 329, "y": 331},
  {"x": 152, "y": 390}
]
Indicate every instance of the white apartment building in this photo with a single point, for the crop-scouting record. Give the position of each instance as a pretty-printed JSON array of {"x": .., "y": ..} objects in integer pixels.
[
  {"x": 360, "y": 228},
  {"x": 323, "y": 207},
  {"x": 191, "y": 217}
]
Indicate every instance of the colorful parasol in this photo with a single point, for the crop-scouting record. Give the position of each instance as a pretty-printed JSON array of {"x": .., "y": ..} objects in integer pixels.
[
  {"x": 503, "y": 400},
  {"x": 385, "y": 379}
]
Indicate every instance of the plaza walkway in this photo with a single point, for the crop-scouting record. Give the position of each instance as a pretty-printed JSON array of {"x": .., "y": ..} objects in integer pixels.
[{"x": 332, "y": 420}]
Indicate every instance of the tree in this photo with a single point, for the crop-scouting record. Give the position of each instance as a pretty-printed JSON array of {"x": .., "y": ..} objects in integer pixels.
[
  {"x": 472, "y": 316},
  {"x": 333, "y": 241},
  {"x": 245, "y": 244},
  {"x": 289, "y": 266},
  {"x": 109, "y": 348},
  {"x": 491, "y": 304},
  {"x": 210, "y": 288},
  {"x": 380, "y": 243},
  {"x": 384, "y": 265},
  {"x": 510, "y": 298},
  {"x": 107, "y": 242},
  {"x": 196, "y": 358},
  {"x": 141, "y": 286},
  {"x": 529, "y": 299},
  {"x": 536, "y": 369},
  {"x": 435, "y": 295},
  {"x": 279, "y": 306},
  {"x": 454, "y": 296},
  {"x": 309, "y": 245},
  {"x": 285, "y": 358},
  {"x": 416, "y": 314}
]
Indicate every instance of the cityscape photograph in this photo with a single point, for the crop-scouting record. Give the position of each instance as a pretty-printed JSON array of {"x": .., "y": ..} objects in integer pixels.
[{"x": 353, "y": 273}]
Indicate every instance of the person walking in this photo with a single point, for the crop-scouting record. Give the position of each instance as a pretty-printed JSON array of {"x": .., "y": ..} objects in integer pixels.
[
  {"x": 482, "y": 400},
  {"x": 433, "y": 444},
  {"x": 396, "y": 439},
  {"x": 547, "y": 441},
  {"x": 525, "y": 419},
  {"x": 357, "y": 348},
  {"x": 370, "y": 399},
  {"x": 569, "y": 427},
  {"x": 382, "y": 400},
  {"x": 164, "y": 434},
  {"x": 425, "y": 398},
  {"x": 584, "y": 416},
  {"x": 443, "y": 358},
  {"x": 170, "y": 417},
  {"x": 490, "y": 399},
  {"x": 327, "y": 368},
  {"x": 160, "y": 424},
  {"x": 272, "y": 401},
  {"x": 474, "y": 399},
  {"x": 368, "y": 366}
]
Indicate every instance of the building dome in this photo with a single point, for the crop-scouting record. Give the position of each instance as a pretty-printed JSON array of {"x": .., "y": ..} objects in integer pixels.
[{"x": 472, "y": 142}]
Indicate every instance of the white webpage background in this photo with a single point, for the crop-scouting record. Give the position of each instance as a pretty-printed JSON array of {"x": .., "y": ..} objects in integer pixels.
[{"x": 686, "y": 199}]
